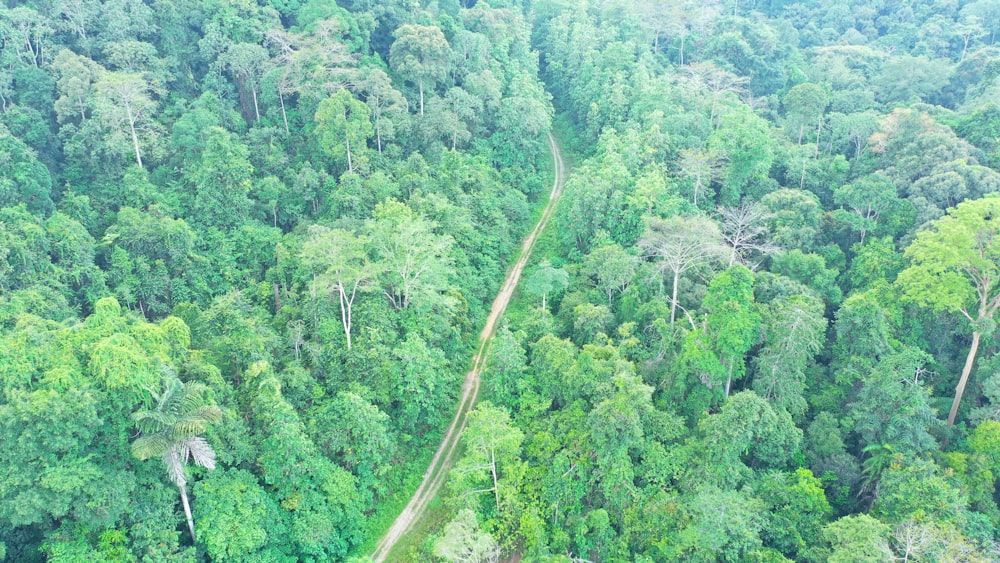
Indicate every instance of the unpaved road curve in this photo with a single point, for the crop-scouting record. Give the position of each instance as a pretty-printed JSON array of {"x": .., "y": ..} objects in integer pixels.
[{"x": 436, "y": 474}]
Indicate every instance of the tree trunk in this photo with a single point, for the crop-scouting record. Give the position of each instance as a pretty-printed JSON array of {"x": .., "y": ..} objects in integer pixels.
[
  {"x": 819, "y": 132},
  {"x": 284, "y": 117},
  {"x": 673, "y": 300},
  {"x": 345, "y": 315},
  {"x": 493, "y": 468},
  {"x": 960, "y": 389},
  {"x": 187, "y": 509},
  {"x": 421, "y": 86},
  {"x": 711, "y": 115},
  {"x": 256, "y": 110},
  {"x": 135, "y": 138},
  {"x": 378, "y": 135}
]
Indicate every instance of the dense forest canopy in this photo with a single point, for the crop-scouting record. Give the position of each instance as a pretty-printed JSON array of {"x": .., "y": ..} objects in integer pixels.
[{"x": 247, "y": 247}]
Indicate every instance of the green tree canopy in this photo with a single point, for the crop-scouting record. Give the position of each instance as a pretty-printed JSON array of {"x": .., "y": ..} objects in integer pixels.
[{"x": 955, "y": 267}]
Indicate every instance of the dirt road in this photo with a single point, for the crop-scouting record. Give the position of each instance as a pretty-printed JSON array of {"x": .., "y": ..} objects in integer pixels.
[{"x": 437, "y": 473}]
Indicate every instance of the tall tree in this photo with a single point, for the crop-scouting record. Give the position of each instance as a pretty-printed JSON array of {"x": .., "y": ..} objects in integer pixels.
[
  {"x": 75, "y": 86},
  {"x": 171, "y": 430},
  {"x": 79, "y": 18},
  {"x": 493, "y": 446},
  {"x": 744, "y": 230},
  {"x": 343, "y": 121},
  {"x": 422, "y": 55},
  {"x": 866, "y": 201},
  {"x": 679, "y": 244},
  {"x": 388, "y": 106},
  {"x": 415, "y": 263},
  {"x": 125, "y": 104},
  {"x": 23, "y": 179},
  {"x": 745, "y": 140},
  {"x": 731, "y": 319},
  {"x": 701, "y": 167},
  {"x": 222, "y": 181},
  {"x": 315, "y": 63},
  {"x": 546, "y": 279},
  {"x": 804, "y": 107},
  {"x": 858, "y": 539},
  {"x": 340, "y": 266},
  {"x": 246, "y": 62},
  {"x": 464, "y": 542},
  {"x": 955, "y": 266},
  {"x": 612, "y": 269},
  {"x": 794, "y": 334}
]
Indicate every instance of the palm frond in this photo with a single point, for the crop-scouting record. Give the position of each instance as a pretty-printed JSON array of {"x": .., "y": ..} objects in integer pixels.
[
  {"x": 175, "y": 467},
  {"x": 172, "y": 388},
  {"x": 201, "y": 452},
  {"x": 209, "y": 413},
  {"x": 150, "y": 445},
  {"x": 193, "y": 397},
  {"x": 152, "y": 421},
  {"x": 187, "y": 427}
]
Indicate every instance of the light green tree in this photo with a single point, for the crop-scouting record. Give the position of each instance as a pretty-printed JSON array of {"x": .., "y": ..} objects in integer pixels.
[
  {"x": 75, "y": 86},
  {"x": 388, "y": 106},
  {"x": 415, "y": 263},
  {"x": 866, "y": 201},
  {"x": 731, "y": 319},
  {"x": 858, "y": 539},
  {"x": 700, "y": 167},
  {"x": 493, "y": 448},
  {"x": 955, "y": 267},
  {"x": 612, "y": 269},
  {"x": 464, "y": 542},
  {"x": 804, "y": 106},
  {"x": 125, "y": 106},
  {"x": 678, "y": 244},
  {"x": 340, "y": 266},
  {"x": 794, "y": 333},
  {"x": 545, "y": 280},
  {"x": 239, "y": 519}
]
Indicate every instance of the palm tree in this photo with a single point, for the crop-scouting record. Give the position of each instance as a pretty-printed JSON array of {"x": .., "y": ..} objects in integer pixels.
[
  {"x": 170, "y": 430},
  {"x": 881, "y": 457}
]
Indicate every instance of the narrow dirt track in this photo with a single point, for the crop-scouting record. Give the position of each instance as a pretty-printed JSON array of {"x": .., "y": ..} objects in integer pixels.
[{"x": 436, "y": 474}]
